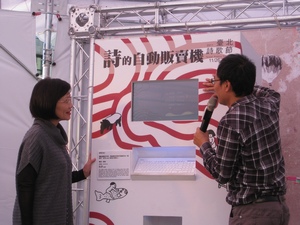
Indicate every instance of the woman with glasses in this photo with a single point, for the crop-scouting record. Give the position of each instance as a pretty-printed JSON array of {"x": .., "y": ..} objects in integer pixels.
[{"x": 44, "y": 168}]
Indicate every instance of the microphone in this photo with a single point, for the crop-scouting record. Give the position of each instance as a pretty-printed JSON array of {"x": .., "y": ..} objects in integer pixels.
[{"x": 211, "y": 105}]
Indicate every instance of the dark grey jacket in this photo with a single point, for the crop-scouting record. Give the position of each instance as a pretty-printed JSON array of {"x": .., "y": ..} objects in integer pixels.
[{"x": 44, "y": 147}]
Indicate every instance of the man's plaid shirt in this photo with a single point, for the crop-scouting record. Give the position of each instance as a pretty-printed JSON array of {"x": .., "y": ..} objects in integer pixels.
[{"x": 249, "y": 157}]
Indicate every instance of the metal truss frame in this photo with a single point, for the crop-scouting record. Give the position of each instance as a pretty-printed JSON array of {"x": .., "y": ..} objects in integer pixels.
[
  {"x": 184, "y": 17},
  {"x": 96, "y": 22},
  {"x": 79, "y": 127}
]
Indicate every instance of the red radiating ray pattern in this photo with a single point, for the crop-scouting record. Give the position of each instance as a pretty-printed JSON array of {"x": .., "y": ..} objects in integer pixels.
[
  {"x": 101, "y": 217},
  {"x": 117, "y": 97}
]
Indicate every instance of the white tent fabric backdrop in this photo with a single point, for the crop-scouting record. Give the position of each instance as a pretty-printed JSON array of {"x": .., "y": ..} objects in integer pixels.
[
  {"x": 61, "y": 54},
  {"x": 17, "y": 36},
  {"x": 18, "y": 32}
]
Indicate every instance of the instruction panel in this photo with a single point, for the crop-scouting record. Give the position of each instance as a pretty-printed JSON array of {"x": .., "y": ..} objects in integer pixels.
[{"x": 113, "y": 165}]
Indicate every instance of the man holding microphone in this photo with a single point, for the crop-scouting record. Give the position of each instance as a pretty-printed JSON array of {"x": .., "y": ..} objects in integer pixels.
[{"x": 248, "y": 158}]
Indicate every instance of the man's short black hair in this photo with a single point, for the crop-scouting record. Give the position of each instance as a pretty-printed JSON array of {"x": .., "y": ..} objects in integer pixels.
[{"x": 240, "y": 71}]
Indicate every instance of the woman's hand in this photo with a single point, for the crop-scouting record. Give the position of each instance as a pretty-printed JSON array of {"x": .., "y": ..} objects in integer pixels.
[{"x": 88, "y": 166}]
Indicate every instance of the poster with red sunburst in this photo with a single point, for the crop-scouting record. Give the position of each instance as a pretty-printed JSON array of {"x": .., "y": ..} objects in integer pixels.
[{"x": 120, "y": 62}]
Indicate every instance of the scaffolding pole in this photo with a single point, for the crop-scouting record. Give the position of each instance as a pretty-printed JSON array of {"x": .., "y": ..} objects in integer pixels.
[{"x": 47, "y": 50}]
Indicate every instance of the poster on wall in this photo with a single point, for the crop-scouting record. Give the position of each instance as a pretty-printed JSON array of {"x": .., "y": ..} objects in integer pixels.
[
  {"x": 121, "y": 62},
  {"x": 148, "y": 93},
  {"x": 113, "y": 165}
]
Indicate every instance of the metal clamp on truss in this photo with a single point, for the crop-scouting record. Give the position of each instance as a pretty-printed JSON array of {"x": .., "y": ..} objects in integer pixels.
[{"x": 82, "y": 21}]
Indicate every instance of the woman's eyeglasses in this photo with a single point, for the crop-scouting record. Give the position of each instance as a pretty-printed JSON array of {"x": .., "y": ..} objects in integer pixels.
[{"x": 66, "y": 101}]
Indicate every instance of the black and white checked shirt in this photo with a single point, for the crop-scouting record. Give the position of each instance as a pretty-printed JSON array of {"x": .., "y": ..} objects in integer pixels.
[{"x": 249, "y": 156}]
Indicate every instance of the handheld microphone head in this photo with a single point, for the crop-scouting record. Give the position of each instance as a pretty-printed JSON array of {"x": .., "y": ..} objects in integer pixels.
[{"x": 212, "y": 103}]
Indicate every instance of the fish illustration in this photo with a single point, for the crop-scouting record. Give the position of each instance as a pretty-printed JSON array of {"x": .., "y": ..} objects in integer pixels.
[{"x": 112, "y": 193}]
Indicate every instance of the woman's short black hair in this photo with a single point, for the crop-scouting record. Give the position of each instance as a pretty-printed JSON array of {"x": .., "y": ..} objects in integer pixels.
[
  {"x": 45, "y": 96},
  {"x": 240, "y": 71}
]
